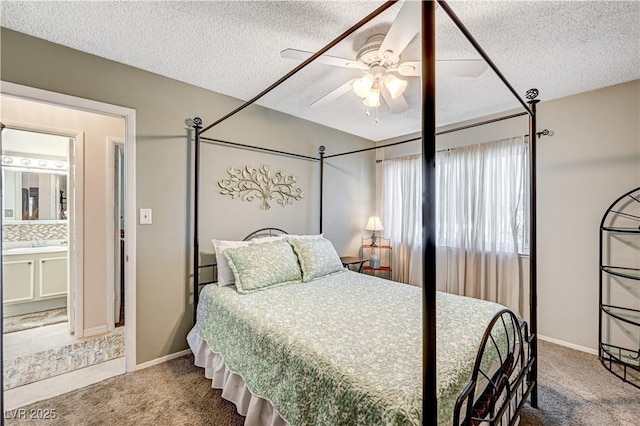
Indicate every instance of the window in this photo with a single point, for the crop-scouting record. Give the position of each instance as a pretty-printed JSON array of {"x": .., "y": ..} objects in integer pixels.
[{"x": 482, "y": 201}]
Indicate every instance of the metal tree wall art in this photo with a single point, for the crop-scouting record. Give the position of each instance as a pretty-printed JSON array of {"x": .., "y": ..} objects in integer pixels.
[{"x": 251, "y": 183}]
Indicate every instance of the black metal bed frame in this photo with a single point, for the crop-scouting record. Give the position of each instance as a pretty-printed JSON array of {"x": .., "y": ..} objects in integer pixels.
[{"x": 502, "y": 387}]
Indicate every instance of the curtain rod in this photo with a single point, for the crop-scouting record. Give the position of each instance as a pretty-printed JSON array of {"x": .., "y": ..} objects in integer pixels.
[
  {"x": 258, "y": 148},
  {"x": 545, "y": 132},
  {"x": 312, "y": 58}
]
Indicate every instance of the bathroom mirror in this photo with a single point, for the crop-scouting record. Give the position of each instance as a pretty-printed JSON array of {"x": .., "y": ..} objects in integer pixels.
[
  {"x": 34, "y": 170},
  {"x": 34, "y": 195}
]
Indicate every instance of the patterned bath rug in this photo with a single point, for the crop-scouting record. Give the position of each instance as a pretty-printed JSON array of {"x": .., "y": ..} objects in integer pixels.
[{"x": 33, "y": 320}]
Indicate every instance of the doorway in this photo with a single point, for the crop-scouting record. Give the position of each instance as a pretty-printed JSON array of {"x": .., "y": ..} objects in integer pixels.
[
  {"x": 36, "y": 221},
  {"x": 119, "y": 229},
  {"x": 94, "y": 316}
]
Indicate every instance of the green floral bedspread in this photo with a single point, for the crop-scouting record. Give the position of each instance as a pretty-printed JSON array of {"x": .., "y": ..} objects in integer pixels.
[{"x": 343, "y": 350}]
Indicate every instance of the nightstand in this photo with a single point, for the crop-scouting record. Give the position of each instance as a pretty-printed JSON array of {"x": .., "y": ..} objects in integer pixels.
[
  {"x": 352, "y": 261},
  {"x": 382, "y": 251}
]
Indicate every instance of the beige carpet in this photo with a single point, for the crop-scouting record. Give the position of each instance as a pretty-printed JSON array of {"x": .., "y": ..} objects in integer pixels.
[{"x": 574, "y": 390}]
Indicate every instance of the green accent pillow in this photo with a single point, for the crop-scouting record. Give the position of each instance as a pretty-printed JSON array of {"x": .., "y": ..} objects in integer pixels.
[
  {"x": 259, "y": 266},
  {"x": 317, "y": 257}
]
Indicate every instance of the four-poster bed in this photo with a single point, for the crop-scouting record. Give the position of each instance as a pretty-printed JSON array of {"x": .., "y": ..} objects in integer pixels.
[{"x": 505, "y": 370}]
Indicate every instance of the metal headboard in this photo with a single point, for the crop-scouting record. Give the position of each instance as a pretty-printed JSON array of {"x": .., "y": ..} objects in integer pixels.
[{"x": 265, "y": 232}]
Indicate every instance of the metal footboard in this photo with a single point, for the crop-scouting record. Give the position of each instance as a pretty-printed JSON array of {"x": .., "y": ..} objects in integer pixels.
[{"x": 501, "y": 381}]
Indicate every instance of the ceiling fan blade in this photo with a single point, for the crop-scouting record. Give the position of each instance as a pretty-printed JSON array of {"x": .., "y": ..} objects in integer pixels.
[
  {"x": 461, "y": 67},
  {"x": 452, "y": 67},
  {"x": 396, "y": 105},
  {"x": 324, "y": 59},
  {"x": 409, "y": 69},
  {"x": 333, "y": 95},
  {"x": 402, "y": 31}
]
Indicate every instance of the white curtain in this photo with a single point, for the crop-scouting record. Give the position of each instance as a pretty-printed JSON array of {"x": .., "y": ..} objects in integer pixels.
[
  {"x": 402, "y": 217},
  {"x": 480, "y": 195},
  {"x": 480, "y": 192}
]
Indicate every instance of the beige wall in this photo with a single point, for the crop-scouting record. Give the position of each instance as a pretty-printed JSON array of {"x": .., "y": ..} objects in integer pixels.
[
  {"x": 593, "y": 157},
  {"x": 164, "y": 172},
  {"x": 98, "y": 203}
]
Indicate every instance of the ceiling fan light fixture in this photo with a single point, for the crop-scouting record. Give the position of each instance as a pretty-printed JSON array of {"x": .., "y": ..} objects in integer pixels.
[
  {"x": 396, "y": 86},
  {"x": 362, "y": 86},
  {"x": 373, "y": 98}
]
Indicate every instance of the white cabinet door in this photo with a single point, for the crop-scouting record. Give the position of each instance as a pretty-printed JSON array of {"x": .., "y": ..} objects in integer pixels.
[
  {"x": 53, "y": 276},
  {"x": 18, "y": 280}
]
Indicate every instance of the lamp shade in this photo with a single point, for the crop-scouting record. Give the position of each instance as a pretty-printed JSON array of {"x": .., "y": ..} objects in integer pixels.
[
  {"x": 374, "y": 224},
  {"x": 362, "y": 86},
  {"x": 396, "y": 86},
  {"x": 373, "y": 98}
]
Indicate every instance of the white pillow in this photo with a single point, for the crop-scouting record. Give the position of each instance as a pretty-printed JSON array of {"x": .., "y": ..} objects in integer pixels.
[
  {"x": 225, "y": 274},
  {"x": 306, "y": 237},
  {"x": 270, "y": 239}
]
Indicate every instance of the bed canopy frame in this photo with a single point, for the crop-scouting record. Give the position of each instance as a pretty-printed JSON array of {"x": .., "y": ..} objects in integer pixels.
[{"x": 428, "y": 31}]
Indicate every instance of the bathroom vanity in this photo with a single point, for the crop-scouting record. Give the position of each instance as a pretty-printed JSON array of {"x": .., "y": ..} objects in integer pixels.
[{"x": 34, "y": 278}]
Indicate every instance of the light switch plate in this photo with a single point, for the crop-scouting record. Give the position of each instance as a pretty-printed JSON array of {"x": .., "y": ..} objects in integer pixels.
[{"x": 145, "y": 216}]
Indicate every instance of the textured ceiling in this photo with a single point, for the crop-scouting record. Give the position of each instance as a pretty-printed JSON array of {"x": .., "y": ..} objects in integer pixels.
[{"x": 233, "y": 47}]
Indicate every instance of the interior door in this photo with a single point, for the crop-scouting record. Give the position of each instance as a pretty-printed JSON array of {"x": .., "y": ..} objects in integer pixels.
[
  {"x": 119, "y": 232},
  {"x": 71, "y": 236}
]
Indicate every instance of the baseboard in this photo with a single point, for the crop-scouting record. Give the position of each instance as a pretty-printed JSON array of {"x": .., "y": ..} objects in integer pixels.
[
  {"x": 162, "y": 359},
  {"x": 568, "y": 345},
  {"x": 95, "y": 331}
]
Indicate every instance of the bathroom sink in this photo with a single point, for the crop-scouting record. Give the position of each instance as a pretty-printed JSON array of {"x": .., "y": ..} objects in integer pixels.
[{"x": 29, "y": 250}]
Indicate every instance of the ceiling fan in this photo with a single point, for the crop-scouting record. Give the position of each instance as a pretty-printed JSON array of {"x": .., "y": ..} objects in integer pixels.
[{"x": 379, "y": 59}]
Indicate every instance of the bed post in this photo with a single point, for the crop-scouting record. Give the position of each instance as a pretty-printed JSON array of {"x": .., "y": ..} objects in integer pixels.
[
  {"x": 321, "y": 152},
  {"x": 197, "y": 126},
  {"x": 429, "y": 375},
  {"x": 533, "y": 263}
]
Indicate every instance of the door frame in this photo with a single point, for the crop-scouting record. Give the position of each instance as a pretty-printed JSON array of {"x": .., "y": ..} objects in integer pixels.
[
  {"x": 113, "y": 230},
  {"x": 75, "y": 231},
  {"x": 75, "y": 234},
  {"x": 129, "y": 116}
]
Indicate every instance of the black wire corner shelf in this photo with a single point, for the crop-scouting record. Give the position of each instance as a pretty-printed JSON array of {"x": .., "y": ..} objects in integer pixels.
[
  {"x": 628, "y": 315},
  {"x": 622, "y": 271},
  {"x": 620, "y": 323},
  {"x": 622, "y": 230},
  {"x": 623, "y": 362}
]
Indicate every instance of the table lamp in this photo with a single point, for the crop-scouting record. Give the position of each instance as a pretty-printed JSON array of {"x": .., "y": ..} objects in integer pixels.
[{"x": 374, "y": 224}]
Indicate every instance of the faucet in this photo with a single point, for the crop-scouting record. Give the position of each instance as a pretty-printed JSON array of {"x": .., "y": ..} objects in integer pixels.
[{"x": 37, "y": 242}]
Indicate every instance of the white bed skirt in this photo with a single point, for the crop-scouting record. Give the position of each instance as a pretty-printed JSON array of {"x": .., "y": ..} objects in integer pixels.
[{"x": 258, "y": 411}]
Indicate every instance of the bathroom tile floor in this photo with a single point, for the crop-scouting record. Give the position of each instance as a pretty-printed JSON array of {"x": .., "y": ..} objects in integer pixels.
[
  {"x": 36, "y": 339},
  {"x": 39, "y": 354}
]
